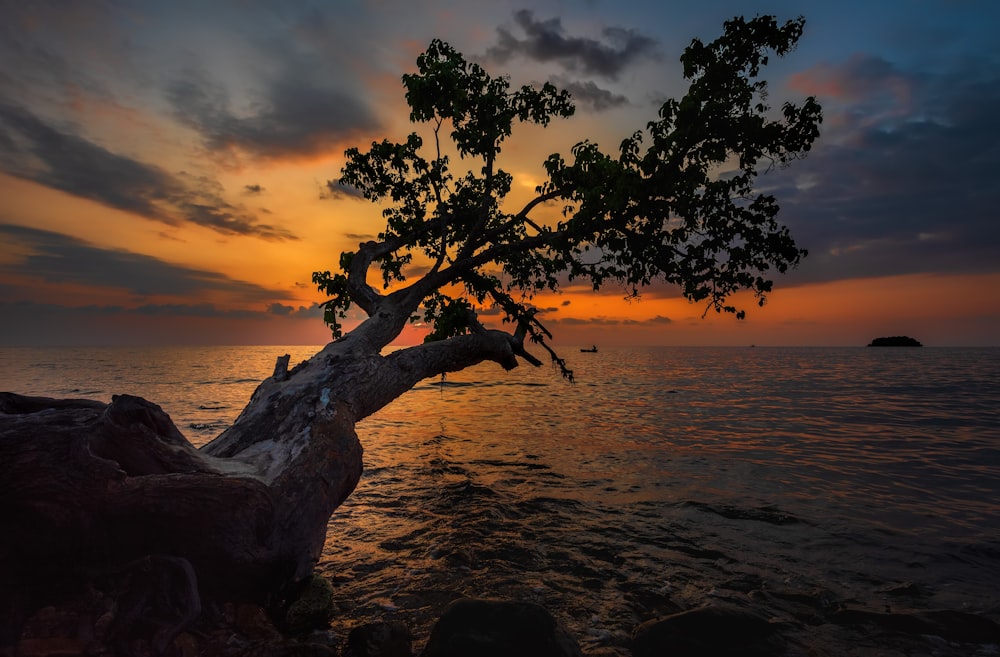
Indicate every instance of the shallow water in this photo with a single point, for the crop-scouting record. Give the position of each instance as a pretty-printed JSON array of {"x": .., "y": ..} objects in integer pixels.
[{"x": 794, "y": 480}]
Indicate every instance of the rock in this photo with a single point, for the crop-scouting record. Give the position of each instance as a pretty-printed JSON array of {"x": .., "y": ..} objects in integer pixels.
[
  {"x": 609, "y": 651},
  {"x": 713, "y": 630},
  {"x": 186, "y": 645},
  {"x": 951, "y": 625},
  {"x": 962, "y": 626},
  {"x": 485, "y": 628},
  {"x": 55, "y": 647},
  {"x": 288, "y": 649},
  {"x": 904, "y": 589},
  {"x": 314, "y": 607},
  {"x": 895, "y": 341},
  {"x": 383, "y": 639},
  {"x": 252, "y": 622},
  {"x": 647, "y": 604}
]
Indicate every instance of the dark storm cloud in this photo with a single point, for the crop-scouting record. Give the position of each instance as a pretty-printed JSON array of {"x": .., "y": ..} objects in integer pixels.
[
  {"x": 203, "y": 310},
  {"x": 62, "y": 315},
  {"x": 191, "y": 310},
  {"x": 37, "y": 151},
  {"x": 58, "y": 258},
  {"x": 280, "y": 309},
  {"x": 900, "y": 187},
  {"x": 545, "y": 41},
  {"x": 44, "y": 154},
  {"x": 334, "y": 189},
  {"x": 41, "y": 45},
  {"x": 658, "y": 320},
  {"x": 589, "y": 95},
  {"x": 292, "y": 117},
  {"x": 314, "y": 311},
  {"x": 576, "y": 321}
]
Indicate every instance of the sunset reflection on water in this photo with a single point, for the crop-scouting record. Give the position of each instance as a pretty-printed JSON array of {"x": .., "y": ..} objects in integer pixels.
[
  {"x": 663, "y": 479},
  {"x": 668, "y": 473}
]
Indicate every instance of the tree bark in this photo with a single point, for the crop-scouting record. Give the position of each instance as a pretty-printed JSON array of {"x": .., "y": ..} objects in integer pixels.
[{"x": 89, "y": 488}]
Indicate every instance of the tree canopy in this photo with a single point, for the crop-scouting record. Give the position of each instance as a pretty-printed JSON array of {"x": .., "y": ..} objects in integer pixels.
[
  {"x": 96, "y": 489},
  {"x": 677, "y": 202}
]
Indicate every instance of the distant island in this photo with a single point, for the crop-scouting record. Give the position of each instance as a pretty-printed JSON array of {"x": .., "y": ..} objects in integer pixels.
[{"x": 895, "y": 341}]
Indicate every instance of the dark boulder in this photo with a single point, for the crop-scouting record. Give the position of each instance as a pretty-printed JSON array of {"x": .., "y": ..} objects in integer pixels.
[
  {"x": 381, "y": 639},
  {"x": 712, "y": 630},
  {"x": 487, "y": 628}
]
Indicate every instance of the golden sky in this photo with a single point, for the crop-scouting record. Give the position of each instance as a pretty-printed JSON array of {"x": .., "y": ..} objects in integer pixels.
[{"x": 164, "y": 167}]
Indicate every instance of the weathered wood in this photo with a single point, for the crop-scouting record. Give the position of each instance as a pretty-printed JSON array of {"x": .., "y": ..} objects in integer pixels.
[{"x": 89, "y": 489}]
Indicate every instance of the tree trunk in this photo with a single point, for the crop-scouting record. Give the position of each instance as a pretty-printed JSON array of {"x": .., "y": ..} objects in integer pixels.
[{"x": 90, "y": 489}]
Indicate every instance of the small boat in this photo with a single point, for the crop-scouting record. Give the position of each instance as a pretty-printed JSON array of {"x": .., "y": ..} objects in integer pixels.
[{"x": 592, "y": 350}]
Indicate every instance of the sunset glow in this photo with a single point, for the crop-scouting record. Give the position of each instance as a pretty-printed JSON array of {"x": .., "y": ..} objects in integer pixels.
[{"x": 164, "y": 171}]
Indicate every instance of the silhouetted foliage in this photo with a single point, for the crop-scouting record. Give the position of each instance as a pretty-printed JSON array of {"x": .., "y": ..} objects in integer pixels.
[
  {"x": 676, "y": 202},
  {"x": 92, "y": 488}
]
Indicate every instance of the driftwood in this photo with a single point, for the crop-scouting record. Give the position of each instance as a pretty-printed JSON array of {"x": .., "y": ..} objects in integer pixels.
[{"x": 90, "y": 490}]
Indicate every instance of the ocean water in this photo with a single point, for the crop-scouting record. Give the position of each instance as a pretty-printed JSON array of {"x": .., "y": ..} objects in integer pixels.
[{"x": 795, "y": 481}]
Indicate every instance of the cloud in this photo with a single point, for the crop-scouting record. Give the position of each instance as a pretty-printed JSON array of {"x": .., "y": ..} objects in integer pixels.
[
  {"x": 658, "y": 320},
  {"x": 593, "y": 321},
  {"x": 334, "y": 189},
  {"x": 253, "y": 189},
  {"x": 184, "y": 310},
  {"x": 62, "y": 259},
  {"x": 35, "y": 150},
  {"x": 33, "y": 323},
  {"x": 589, "y": 95},
  {"x": 902, "y": 183},
  {"x": 292, "y": 116},
  {"x": 862, "y": 78},
  {"x": 545, "y": 41},
  {"x": 188, "y": 310},
  {"x": 52, "y": 52},
  {"x": 314, "y": 311}
]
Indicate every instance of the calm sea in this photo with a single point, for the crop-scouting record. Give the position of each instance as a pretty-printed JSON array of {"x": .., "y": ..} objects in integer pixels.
[{"x": 794, "y": 479}]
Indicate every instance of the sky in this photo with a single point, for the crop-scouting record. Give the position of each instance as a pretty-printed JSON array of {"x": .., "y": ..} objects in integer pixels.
[{"x": 165, "y": 166}]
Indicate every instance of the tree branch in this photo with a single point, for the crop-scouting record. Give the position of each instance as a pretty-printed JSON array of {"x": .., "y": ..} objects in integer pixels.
[
  {"x": 472, "y": 240},
  {"x": 401, "y": 370},
  {"x": 443, "y": 248},
  {"x": 363, "y": 294},
  {"x": 522, "y": 216}
]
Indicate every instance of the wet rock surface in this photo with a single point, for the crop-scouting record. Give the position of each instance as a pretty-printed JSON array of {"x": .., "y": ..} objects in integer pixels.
[
  {"x": 749, "y": 627},
  {"x": 381, "y": 639},
  {"x": 489, "y": 628},
  {"x": 713, "y": 630}
]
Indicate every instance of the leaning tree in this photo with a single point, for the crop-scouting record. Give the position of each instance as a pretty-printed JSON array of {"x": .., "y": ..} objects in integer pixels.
[{"x": 90, "y": 488}]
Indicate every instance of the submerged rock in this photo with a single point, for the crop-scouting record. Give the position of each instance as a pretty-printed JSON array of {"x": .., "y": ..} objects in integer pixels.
[
  {"x": 486, "y": 628},
  {"x": 712, "y": 630}
]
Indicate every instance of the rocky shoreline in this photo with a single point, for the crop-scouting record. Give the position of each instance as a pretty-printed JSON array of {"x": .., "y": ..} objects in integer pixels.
[{"x": 754, "y": 623}]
